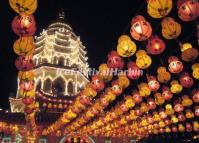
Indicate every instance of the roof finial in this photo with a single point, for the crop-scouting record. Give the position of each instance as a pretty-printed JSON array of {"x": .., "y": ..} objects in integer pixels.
[{"x": 61, "y": 14}]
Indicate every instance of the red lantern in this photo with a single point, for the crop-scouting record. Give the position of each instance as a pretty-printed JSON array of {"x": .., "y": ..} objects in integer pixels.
[
  {"x": 150, "y": 119},
  {"x": 27, "y": 100},
  {"x": 94, "y": 111},
  {"x": 115, "y": 61},
  {"x": 124, "y": 108},
  {"x": 24, "y": 63},
  {"x": 136, "y": 97},
  {"x": 28, "y": 110},
  {"x": 140, "y": 28},
  {"x": 174, "y": 129},
  {"x": 195, "y": 96},
  {"x": 162, "y": 114},
  {"x": 133, "y": 71},
  {"x": 137, "y": 111},
  {"x": 155, "y": 45},
  {"x": 181, "y": 117},
  {"x": 175, "y": 66},
  {"x": 189, "y": 127},
  {"x": 167, "y": 121},
  {"x": 26, "y": 85},
  {"x": 97, "y": 83},
  {"x": 197, "y": 111},
  {"x": 24, "y": 25},
  {"x": 153, "y": 83},
  {"x": 76, "y": 110},
  {"x": 188, "y": 10},
  {"x": 85, "y": 100},
  {"x": 104, "y": 102},
  {"x": 117, "y": 90},
  {"x": 178, "y": 107},
  {"x": 185, "y": 80},
  {"x": 167, "y": 95},
  {"x": 151, "y": 103}
]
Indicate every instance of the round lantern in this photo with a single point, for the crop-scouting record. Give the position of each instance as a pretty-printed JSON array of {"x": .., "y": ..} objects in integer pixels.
[
  {"x": 27, "y": 100},
  {"x": 140, "y": 28},
  {"x": 24, "y": 63},
  {"x": 85, "y": 100},
  {"x": 167, "y": 95},
  {"x": 185, "y": 80},
  {"x": 162, "y": 114},
  {"x": 176, "y": 87},
  {"x": 151, "y": 103},
  {"x": 181, "y": 117},
  {"x": 170, "y": 28},
  {"x": 105, "y": 73},
  {"x": 178, "y": 107},
  {"x": 195, "y": 68},
  {"x": 21, "y": 6},
  {"x": 186, "y": 101},
  {"x": 188, "y": 53},
  {"x": 175, "y": 66},
  {"x": 26, "y": 85},
  {"x": 195, "y": 96},
  {"x": 155, "y": 45},
  {"x": 117, "y": 90},
  {"x": 133, "y": 71},
  {"x": 97, "y": 83},
  {"x": 114, "y": 60},
  {"x": 189, "y": 127},
  {"x": 123, "y": 81},
  {"x": 159, "y": 8},
  {"x": 197, "y": 111},
  {"x": 153, "y": 83},
  {"x": 125, "y": 47},
  {"x": 174, "y": 129},
  {"x": 189, "y": 114},
  {"x": 136, "y": 97},
  {"x": 24, "y": 25},
  {"x": 188, "y": 10},
  {"x": 24, "y": 46},
  {"x": 144, "y": 89},
  {"x": 143, "y": 61}
]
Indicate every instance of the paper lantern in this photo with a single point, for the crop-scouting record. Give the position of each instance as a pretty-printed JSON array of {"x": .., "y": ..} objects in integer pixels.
[
  {"x": 189, "y": 114},
  {"x": 105, "y": 72},
  {"x": 167, "y": 95},
  {"x": 189, "y": 127},
  {"x": 196, "y": 111},
  {"x": 24, "y": 25},
  {"x": 27, "y": 100},
  {"x": 24, "y": 63},
  {"x": 176, "y": 87},
  {"x": 26, "y": 85},
  {"x": 159, "y": 100},
  {"x": 185, "y": 80},
  {"x": 125, "y": 47},
  {"x": 170, "y": 28},
  {"x": 117, "y": 90},
  {"x": 136, "y": 97},
  {"x": 195, "y": 95},
  {"x": 114, "y": 60},
  {"x": 163, "y": 75},
  {"x": 174, "y": 129},
  {"x": 89, "y": 91},
  {"x": 159, "y": 8},
  {"x": 143, "y": 61},
  {"x": 24, "y": 46},
  {"x": 195, "y": 68},
  {"x": 151, "y": 103},
  {"x": 181, "y": 117},
  {"x": 26, "y": 75},
  {"x": 155, "y": 45},
  {"x": 141, "y": 30},
  {"x": 97, "y": 83},
  {"x": 169, "y": 109},
  {"x": 21, "y": 6},
  {"x": 123, "y": 81},
  {"x": 133, "y": 71},
  {"x": 144, "y": 89},
  {"x": 175, "y": 66},
  {"x": 85, "y": 100},
  {"x": 153, "y": 83},
  {"x": 181, "y": 128},
  {"x": 188, "y": 10},
  {"x": 162, "y": 114},
  {"x": 186, "y": 101}
]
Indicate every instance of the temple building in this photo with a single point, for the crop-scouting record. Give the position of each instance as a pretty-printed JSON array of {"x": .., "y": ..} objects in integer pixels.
[{"x": 61, "y": 67}]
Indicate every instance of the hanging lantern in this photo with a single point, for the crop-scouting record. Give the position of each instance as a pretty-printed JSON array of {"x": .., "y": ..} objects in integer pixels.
[
  {"x": 144, "y": 89},
  {"x": 153, "y": 83},
  {"x": 27, "y": 100},
  {"x": 188, "y": 10},
  {"x": 136, "y": 97},
  {"x": 140, "y": 28},
  {"x": 196, "y": 111},
  {"x": 85, "y": 100},
  {"x": 170, "y": 28},
  {"x": 186, "y": 101},
  {"x": 181, "y": 117},
  {"x": 185, "y": 80},
  {"x": 155, "y": 45},
  {"x": 178, "y": 107},
  {"x": 163, "y": 75},
  {"x": 24, "y": 63},
  {"x": 167, "y": 95},
  {"x": 26, "y": 85},
  {"x": 24, "y": 46},
  {"x": 105, "y": 72},
  {"x": 97, "y": 83},
  {"x": 143, "y": 61},
  {"x": 125, "y": 47},
  {"x": 123, "y": 81},
  {"x": 159, "y": 100},
  {"x": 117, "y": 90},
  {"x": 21, "y": 6},
  {"x": 159, "y": 8},
  {"x": 114, "y": 60},
  {"x": 195, "y": 73},
  {"x": 175, "y": 66},
  {"x": 188, "y": 52},
  {"x": 174, "y": 129},
  {"x": 169, "y": 109},
  {"x": 181, "y": 128},
  {"x": 189, "y": 114},
  {"x": 176, "y": 87},
  {"x": 24, "y": 25},
  {"x": 133, "y": 71},
  {"x": 195, "y": 96},
  {"x": 151, "y": 103},
  {"x": 189, "y": 127}
]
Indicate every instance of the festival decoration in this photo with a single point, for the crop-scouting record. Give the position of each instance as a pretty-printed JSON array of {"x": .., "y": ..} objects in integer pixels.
[
  {"x": 143, "y": 61},
  {"x": 175, "y": 66},
  {"x": 114, "y": 60}
]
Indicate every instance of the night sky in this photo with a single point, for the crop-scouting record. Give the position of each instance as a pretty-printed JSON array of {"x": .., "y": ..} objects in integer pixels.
[{"x": 98, "y": 23}]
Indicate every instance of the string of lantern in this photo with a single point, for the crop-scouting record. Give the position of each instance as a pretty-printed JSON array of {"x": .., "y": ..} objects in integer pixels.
[
  {"x": 24, "y": 26},
  {"x": 165, "y": 120}
]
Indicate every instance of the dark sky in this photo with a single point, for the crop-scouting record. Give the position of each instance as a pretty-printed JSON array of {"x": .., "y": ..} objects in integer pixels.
[{"x": 98, "y": 23}]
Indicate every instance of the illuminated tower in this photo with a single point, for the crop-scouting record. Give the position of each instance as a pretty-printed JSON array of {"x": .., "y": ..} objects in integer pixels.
[{"x": 61, "y": 67}]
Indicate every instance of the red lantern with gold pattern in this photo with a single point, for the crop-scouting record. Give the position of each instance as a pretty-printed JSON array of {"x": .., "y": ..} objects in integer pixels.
[
  {"x": 155, "y": 45},
  {"x": 140, "y": 29},
  {"x": 185, "y": 80},
  {"x": 175, "y": 66},
  {"x": 188, "y": 10},
  {"x": 114, "y": 60},
  {"x": 97, "y": 83},
  {"x": 24, "y": 63},
  {"x": 24, "y": 25}
]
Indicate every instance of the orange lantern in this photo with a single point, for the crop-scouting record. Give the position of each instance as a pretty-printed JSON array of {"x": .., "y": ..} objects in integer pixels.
[
  {"x": 175, "y": 66},
  {"x": 97, "y": 83},
  {"x": 153, "y": 83},
  {"x": 140, "y": 28}
]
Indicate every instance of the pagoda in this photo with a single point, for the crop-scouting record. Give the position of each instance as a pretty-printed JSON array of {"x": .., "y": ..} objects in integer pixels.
[{"x": 61, "y": 67}]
